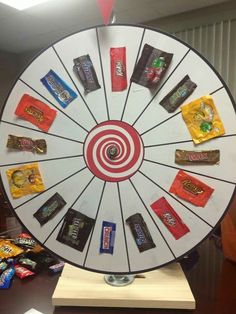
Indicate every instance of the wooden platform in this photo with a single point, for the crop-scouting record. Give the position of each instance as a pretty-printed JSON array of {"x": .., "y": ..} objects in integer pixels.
[{"x": 163, "y": 288}]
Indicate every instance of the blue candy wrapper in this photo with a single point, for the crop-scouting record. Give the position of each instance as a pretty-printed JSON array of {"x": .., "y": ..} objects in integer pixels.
[
  {"x": 5, "y": 278},
  {"x": 58, "y": 88},
  {"x": 107, "y": 237}
]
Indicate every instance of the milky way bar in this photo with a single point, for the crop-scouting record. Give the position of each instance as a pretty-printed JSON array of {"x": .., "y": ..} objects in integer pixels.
[
  {"x": 75, "y": 229},
  {"x": 151, "y": 67},
  {"x": 185, "y": 157},
  {"x": 140, "y": 232},
  {"x": 84, "y": 68},
  {"x": 27, "y": 144},
  {"x": 178, "y": 94}
]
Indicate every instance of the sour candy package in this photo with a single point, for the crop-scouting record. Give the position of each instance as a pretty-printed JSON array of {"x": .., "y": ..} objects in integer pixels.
[
  {"x": 36, "y": 112},
  {"x": 202, "y": 119},
  {"x": 191, "y": 189},
  {"x": 25, "y": 180},
  {"x": 151, "y": 67},
  {"x": 58, "y": 89}
]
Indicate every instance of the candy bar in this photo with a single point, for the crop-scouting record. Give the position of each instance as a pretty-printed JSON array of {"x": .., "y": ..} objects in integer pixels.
[
  {"x": 36, "y": 112},
  {"x": 170, "y": 218},
  {"x": 140, "y": 232},
  {"x": 118, "y": 69},
  {"x": 63, "y": 94},
  {"x": 178, "y": 94},
  {"x": 27, "y": 144},
  {"x": 208, "y": 157},
  {"x": 50, "y": 208},
  {"x": 22, "y": 272},
  {"x": 151, "y": 67},
  {"x": 6, "y": 277},
  {"x": 84, "y": 68},
  {"x": 75, "y": 229},
  {"x": 107, "y": 237},
  {"x": 191, "y": 189}
]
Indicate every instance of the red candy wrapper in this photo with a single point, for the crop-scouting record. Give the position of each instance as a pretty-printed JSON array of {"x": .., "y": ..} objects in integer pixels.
[
  {"x": 191, "y": 189},
  {"x": 36, "y": 112},
  {"x": 118, "y": 69},
  {"x": 22, "y": 272},
  {"x": 170, "y": 218}
]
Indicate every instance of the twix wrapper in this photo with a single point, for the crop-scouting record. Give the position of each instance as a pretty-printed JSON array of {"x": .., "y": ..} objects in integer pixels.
[
  {"x": 38, "y": 146},
  {"x": 118, "y": 69},
  {"x": 36, "y": 112},
  {"x": 205, "y": 157},
  {"x": 202, "y": 119},
  {"x": 170, "y": 218},
  {"x": 191, "y": 189}
]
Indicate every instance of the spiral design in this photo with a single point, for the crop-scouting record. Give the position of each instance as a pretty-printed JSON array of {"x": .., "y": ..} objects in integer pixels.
[{"x": 129, "y": 151}]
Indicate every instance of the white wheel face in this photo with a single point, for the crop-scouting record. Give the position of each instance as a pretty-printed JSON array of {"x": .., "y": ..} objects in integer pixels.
[{"x": 78, "y": 167}]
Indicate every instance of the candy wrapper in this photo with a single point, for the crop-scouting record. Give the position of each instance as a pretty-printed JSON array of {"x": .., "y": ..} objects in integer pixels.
[
  {"x": 151, "y": 67},
  {"x": 3, "y": 266},
  {"x": 6, "y": 277},
  {"x": 118, "y": 69},
  {"x": 27, "y": 144},
  {"x": 29, "y": 264},
  {"x": 50, "y": 208},
  {"x": 25, "y": 180},
  {"x": 178, "y": 94},
  {"x": 191, "y": 189},
  {"x": 170, "y": 218},
  {"x": 8, "y": 249},
  {"x": 25, "y": 242},
  {"x": 202, "y": 119},
  {"x": 84, "y": 68},
  {"x": 107, "y": 237},
  {"x": 36, "y": 112},
  {"x": 58, "y": 89},
  {"x": 22, "y": 272},
  {"x": 140, "y": 232},
  {"x": 75, "y": 229},
  {"x": 57, "y": 268},
  {"x": 205, "y": 157}
]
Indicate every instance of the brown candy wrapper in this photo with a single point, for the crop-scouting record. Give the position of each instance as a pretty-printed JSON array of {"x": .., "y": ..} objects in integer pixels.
[
  {"x": 27, "y": 144},
  {"x": 151, "y": 67},
  {"x": 140, "y": 232},
  {"x": 205, "y": 157},
  {"x": 25, "y": 180},
  {"x": 202, "y": 119},
  {"x": 178, "y": 94}
]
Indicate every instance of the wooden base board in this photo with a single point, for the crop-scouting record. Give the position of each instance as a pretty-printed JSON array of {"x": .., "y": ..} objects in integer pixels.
[{"x": 163, "y": 288}]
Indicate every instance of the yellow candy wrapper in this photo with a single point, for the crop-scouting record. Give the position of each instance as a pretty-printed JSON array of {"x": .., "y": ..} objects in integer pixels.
[
  {"x": 202, "y": 119},
  {"x": 25, "y": 180},
  {"x": 8, "y": 249}
]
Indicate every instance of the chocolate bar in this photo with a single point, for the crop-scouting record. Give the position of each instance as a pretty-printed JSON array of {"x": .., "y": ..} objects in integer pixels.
[
  {"x": 84, "y": 68},
  {"x": 178, "y": 94},
  {"x": 140, "y": 232},
  {"x": 27, "y": 144},
  {"x": 208, "y": 157},
  {"x": 118, "y": 69},
  {"x": 107, "y": 237}
]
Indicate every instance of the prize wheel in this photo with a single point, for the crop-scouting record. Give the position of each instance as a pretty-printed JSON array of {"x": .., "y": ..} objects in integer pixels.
[{"x": 111, "y": 154}]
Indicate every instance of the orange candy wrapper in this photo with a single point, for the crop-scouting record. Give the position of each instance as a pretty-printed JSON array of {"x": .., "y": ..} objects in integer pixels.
[
  {"x": 36, "y": 112},
  {"x": 202, "y": 119},
  {"x": 25, "y": 180},
  {"x": 7, "y": 249},
  {"x": 191, "y": 189}
]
